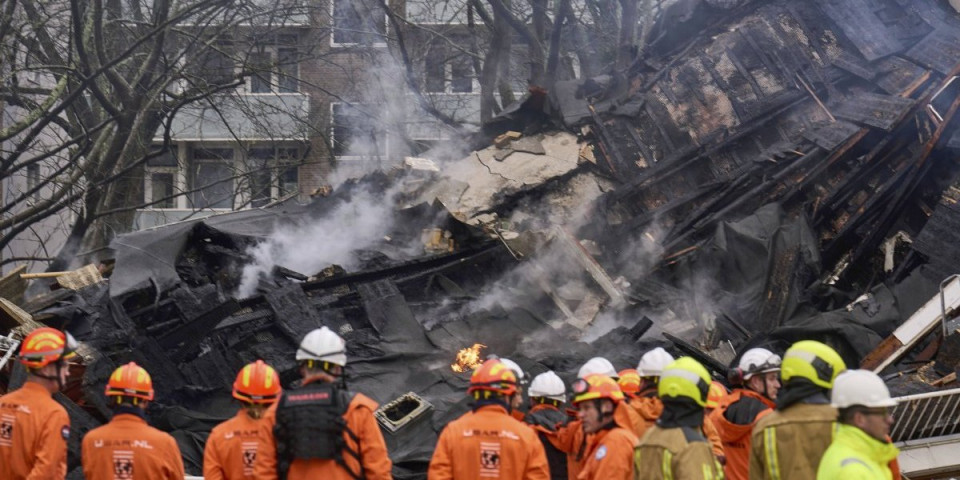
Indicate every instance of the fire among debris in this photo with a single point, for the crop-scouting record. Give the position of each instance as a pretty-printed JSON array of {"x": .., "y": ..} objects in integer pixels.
[{"x": 468, "y": 358}]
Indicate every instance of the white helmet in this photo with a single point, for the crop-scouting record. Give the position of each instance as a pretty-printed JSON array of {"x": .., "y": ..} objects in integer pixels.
[
  {"x": 860, "y": 387},
  {"x": 516, "y": 369},
  {"x": 758, "y": 360},
  {"x": 324, "y": 345},
  {"x": 598, "y": 365},
  {"x": 547, "y": 385},
  {"x": 653, "y": 362}
]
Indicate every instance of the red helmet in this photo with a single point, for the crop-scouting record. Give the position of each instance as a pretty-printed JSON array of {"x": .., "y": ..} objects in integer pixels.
[
  {"x": 493, "y": 376},
  {"x": 629, "y": 381},
  {"x": 130, "y": 380},
  {"x": 596, "y": 386},
  {"x": 257, "y": 383},
  {"x": 46, "y": 345}
]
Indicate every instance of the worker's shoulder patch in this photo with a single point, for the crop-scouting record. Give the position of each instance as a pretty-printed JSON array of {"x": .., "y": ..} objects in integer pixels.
[
  {"x": 601, "y": 452},
  {"x": 65, "y": 432}
]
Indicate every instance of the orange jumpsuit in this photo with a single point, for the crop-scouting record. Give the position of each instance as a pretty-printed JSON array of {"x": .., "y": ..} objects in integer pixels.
[
  {"x": 649, "y": 408},
  {"x": 572, "y": 441},
  {"x": 360, "y": 421},
  {"x": 488, "y": 443},
  {"x": 33, "y": 435},
  {"x": 231, "y": 450},
  {"x": 128, "y": 448},
  {"x": 736, "y": 437},
  {"x": 610, "y": 451}
]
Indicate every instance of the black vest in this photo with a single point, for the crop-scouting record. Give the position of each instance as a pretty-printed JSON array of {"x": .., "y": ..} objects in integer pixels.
[
  {"x": 549, "y": 418},
  {"x": 310, "y": 424}
]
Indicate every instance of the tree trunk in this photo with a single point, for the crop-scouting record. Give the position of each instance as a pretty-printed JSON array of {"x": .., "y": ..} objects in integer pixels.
[{"x": 628, "y": 33}]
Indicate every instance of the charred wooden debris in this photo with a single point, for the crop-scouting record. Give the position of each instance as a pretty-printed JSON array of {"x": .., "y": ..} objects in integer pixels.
[{"x": 769, "y": 172}]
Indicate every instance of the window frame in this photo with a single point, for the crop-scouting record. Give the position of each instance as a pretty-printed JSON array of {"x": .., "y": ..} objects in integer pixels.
[{"x": 381, "y": 43}]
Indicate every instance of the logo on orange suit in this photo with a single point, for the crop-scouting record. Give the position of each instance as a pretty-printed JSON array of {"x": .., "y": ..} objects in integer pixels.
[
  {"x": 249, "y": 456},
  {"x": 6, "y": 429},
  {"x": 490, "y": 459},
  {"x": 123, "y": 465}
]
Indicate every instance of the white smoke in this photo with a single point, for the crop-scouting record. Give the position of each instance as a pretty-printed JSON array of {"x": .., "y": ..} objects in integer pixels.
[{"x": 353, "y": 225}]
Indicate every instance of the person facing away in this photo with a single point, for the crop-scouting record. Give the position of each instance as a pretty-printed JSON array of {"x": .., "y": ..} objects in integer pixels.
[
  {"x": 127, "y": 447},
  {"x": 487, "y": 442},
  {"x": 861, "y": 449},
  {"x": 231, "y": 449},
  {"x": 788, "y": 442},
  {"x": 547, "y": 396},
  {"x": 676, "y": 447},
  {"x": 34, "y": 428},
  {"x": 321, "y": 430}
]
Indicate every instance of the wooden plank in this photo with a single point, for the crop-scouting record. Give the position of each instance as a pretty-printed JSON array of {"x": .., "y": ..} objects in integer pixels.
[
  {"x": 12, "y": 286},
  {"x": 831, "y": 135},
  {"x": 82, "y": 277},
  {"x": 858, "y": 22},
  {"x": 940, "y": 50},
  {"x": 897, "y": 74},
  {"x": 880, "y": 111},
  {"x": 572, "y": 246}
]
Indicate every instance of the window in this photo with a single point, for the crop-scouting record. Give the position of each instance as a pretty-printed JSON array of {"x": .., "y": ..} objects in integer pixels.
[
  {"x": 273, "y": 173},
  {"x": 161, "y": 189},
  {"x": 275, "y": 69},
  {"x": 160, "y": 180},
  {"x": 33, "y": 179},
  {"x": 355, "y": 133},
  {"x": 214, "y": 65},
  {"x": 211, "y": 178},
  {"x": 448, "y": 72},
  {"x": 358, "y": 22}
]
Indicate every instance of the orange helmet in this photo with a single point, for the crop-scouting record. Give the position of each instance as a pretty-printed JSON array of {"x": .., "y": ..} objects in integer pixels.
[
  {"x": 715, "y": 394},
  {"x": 257, "y": 383},
  {"x": 130, "y": 380},
  {"x": 596, "y": 386},
  {"x": 493, "y": 376},
  {"x": 46, "y": 345},
  {"x": 629, "y": 381}
]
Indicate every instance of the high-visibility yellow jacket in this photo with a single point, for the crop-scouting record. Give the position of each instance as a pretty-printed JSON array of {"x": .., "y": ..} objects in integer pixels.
[
  {"x": 855, "y": 455},
  {"x": 675, "y": 454}
]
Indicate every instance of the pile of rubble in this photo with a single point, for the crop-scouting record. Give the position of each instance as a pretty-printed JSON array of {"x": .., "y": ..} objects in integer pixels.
[{"x": 785, "y": 171}]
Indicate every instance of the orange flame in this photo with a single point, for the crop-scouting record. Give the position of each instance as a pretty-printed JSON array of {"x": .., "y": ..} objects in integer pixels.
[{"x": 468, "y": 358}]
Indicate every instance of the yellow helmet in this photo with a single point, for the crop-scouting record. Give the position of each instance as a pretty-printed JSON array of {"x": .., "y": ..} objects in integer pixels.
[
  {"x": 813, "y": 361},
  {"x": 685, "y": 378}
]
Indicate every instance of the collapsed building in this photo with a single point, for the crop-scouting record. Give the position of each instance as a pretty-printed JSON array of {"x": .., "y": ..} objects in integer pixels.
[{"x": 763, "y": 173}]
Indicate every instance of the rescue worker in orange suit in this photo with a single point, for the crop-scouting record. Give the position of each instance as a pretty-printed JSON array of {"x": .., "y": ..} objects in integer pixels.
[
  {"x": 516, "y": 408},
  {"x": 127, "y": 447},
  {"x": 738, "y": 412},
  {"x": 232, "y": 446},
  {"x": 605, "y": 420},
  {"x": 547, "y": 395},
  {"x": 322, "y": 430},
  {"x": 789, "y": 442},
  {"x": 643, "y": 399},
  {"x": 34, "y": 428},
  {"x": 570, "y": 438},
  {"x": 675, "y": 448},
  {"x": 487, "y": 442}
]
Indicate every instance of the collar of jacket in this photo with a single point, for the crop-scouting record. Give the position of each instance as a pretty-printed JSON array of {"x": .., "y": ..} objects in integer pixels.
[
  {"x": 491, "y": 407},
  {"x": 126, "y": 416},
  {"x": 543, "y": 406},
  {"x": 739, "y": 393},
  {"x": 854, "y": 438},
  {"x": 800, "y": 390}
]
